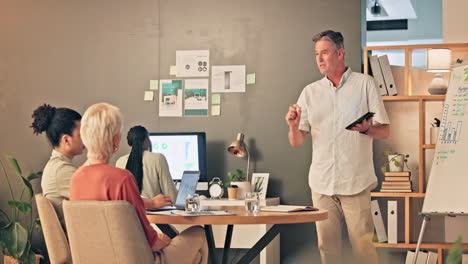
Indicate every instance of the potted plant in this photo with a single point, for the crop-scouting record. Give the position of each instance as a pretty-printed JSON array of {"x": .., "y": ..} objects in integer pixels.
[
  {"x": 455, "y": 253},
  {"x": 395, "y": 161},
  {"x": 232, "y": 192},
  {"x": 15, "y": 238},
  {"x": 239, "y": 179}
]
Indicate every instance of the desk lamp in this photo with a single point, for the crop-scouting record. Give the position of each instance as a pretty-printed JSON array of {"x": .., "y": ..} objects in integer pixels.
[
  {"x": 438, "y": 60},
  {"x": 239, "y": 149}
]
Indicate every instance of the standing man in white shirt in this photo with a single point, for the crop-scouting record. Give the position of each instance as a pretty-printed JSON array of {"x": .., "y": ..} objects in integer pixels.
[{"x": 341, "y": 174}]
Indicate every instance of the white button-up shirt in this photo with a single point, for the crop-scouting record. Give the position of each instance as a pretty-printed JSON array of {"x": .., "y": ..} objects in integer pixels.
[{"x": 341, "y": 159}]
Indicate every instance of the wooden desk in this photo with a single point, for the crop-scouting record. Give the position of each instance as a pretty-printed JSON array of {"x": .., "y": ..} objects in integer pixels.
[{"x": 241, "y": 217}]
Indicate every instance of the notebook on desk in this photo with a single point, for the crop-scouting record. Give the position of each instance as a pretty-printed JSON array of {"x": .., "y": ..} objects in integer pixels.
[{"x": 188, "y": 185}]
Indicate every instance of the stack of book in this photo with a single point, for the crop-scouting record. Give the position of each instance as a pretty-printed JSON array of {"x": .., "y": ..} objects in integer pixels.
[{"x": 397, "y": 182}]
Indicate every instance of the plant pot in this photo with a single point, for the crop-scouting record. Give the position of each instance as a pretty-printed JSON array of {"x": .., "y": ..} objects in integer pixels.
[
  {"x": 243, "y": 187},
  {"x": 434, "y": 133},
  {"x": 232, "y": 193},
  {"x": 391, "y": 165},
  {"x": 10, "y": 260}
]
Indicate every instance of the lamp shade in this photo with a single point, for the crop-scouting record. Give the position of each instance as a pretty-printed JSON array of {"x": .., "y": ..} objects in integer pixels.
[
  {"x": 238, "y": 147},
  {"x": 439, "y": 60}
]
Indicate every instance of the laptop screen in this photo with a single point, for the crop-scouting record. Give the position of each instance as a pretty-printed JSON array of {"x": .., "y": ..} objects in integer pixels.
[{"x": 188, "y": 185}]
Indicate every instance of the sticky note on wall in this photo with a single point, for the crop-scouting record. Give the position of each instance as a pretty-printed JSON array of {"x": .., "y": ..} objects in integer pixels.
[
  {"x": 215, "y": 110},
  {"x": 173, "y": 70},
  {"x": 154, "y": 84},
  {"x": 250, "y": 78},
  {"x": 216, "y": 99},
  {"x": 149, "y": 95}
]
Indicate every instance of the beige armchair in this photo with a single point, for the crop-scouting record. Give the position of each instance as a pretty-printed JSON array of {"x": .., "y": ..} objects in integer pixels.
[
  {"x": 55, "y": 238},
  {"x": 106, "y": 232}
]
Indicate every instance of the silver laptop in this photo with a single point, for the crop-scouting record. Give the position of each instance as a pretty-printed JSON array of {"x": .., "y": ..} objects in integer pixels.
[{"x": 188, "y": 185}]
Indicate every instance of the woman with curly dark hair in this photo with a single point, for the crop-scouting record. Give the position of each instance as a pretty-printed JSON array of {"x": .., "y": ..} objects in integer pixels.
[{"x": 62, "y": 128}]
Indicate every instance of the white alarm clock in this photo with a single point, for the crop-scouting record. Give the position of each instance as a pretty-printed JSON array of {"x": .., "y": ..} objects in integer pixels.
[{"x": 216, "y": 188}]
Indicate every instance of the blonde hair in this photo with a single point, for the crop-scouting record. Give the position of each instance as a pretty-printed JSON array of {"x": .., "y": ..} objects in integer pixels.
[{"x": 100, "y": 124}]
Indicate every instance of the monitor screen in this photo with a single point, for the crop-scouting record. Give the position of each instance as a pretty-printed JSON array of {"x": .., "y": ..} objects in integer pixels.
[{"x": 184, "y": 151}]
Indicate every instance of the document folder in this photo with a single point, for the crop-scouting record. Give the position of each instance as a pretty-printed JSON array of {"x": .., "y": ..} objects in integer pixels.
[
  {"x": 377, "y": 74},
  {"x": 388, "y": 75},
  {"x": 392, "y": 222},
  {"x": 378, "y": 221}
]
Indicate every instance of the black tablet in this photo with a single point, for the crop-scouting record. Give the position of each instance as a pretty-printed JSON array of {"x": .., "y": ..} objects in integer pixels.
[{"x": 366, "y": 116}]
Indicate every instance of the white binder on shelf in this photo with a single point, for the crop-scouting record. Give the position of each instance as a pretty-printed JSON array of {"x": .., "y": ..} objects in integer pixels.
[
  {"x": 431, "y": 258},
  {"x": 377, "y": 74},
  {"x": 422, "y": 257},
  {"x": 388, "y": 75},
  {"x": 392, "y": 222},
  {"x": 378, "y": 221}
]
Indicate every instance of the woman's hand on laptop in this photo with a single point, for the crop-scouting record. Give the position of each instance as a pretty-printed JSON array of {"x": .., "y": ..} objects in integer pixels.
[
  {"x": 161, "y": 200},
  {"x": 162, "y": 242}
]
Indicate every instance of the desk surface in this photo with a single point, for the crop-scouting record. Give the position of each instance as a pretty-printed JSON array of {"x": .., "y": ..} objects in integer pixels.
[{"x": 241, "y": 217}]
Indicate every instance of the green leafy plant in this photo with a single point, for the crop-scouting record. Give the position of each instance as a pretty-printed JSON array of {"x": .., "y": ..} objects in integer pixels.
[
  {"x": 237, "y": 176},
  {"x": 455, "y": 253},
  {"x": 14, "y": 237},
  {"x": 394, "y": 160}
]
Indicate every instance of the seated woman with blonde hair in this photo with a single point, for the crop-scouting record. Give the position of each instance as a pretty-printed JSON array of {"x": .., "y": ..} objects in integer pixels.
[{"x": 101, "y": 129}]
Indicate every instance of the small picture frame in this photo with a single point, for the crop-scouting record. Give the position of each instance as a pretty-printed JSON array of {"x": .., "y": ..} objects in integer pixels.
[{"x": 260, "y": 184}]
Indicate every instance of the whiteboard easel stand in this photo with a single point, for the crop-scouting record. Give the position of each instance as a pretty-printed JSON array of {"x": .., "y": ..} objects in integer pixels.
[{"x": 426, "y": 219}]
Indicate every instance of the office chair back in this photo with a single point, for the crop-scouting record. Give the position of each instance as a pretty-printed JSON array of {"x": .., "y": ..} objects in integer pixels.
[
  {"x": 55, "y": 238},
  {"x": 106, "y": 232}
]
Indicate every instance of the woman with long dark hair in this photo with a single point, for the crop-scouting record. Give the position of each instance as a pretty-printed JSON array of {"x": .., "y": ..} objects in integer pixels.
[
  {"x": 150, "y": 170},
  {"x": 62, "y": 128}
]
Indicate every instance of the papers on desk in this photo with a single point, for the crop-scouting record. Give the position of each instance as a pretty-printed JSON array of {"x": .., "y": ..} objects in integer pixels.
[
  {"x": 288, "y": 208},
  {"x": 168, "y": 212},
  {"x": 201, "y": 213}
]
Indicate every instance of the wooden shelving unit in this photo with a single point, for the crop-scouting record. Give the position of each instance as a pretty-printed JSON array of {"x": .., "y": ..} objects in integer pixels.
[{"x": 421, "y": 101}]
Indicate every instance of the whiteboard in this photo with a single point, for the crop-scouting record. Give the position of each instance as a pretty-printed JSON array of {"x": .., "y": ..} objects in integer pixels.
[{"x": 447, "y": 188}]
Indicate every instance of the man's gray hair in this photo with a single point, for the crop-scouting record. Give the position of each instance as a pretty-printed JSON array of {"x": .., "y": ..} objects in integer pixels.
[{"x": 335, "y": 37}]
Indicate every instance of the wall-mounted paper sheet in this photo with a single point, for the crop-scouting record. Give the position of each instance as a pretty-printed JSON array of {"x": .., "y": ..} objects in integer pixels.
[
  {"x": 170, "y": 98},
  {"x": 228, "y": 79},
  {"x": 193, "y": 63},
  {"x": 196, "y": 97}
]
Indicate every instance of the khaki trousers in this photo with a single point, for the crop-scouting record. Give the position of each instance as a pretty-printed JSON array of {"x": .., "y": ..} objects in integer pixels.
[
  {"x": 189, "y": 247},
  {"x": 355, "y": 211}
]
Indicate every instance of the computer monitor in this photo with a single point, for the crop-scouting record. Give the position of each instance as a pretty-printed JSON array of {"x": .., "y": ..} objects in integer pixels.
[{"x": 184, "y": 151}]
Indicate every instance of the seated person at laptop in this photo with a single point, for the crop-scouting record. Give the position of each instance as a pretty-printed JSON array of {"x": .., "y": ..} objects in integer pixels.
[
  {"x": 97, "y": 180},
  {"x": 62, "y": 127},
  {"x": 150, "y": 170}
]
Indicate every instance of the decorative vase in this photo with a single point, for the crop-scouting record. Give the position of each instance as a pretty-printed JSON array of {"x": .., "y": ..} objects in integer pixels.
[
  {"x": 243, "y": 187},
  {"x": 391, "y": 165}
]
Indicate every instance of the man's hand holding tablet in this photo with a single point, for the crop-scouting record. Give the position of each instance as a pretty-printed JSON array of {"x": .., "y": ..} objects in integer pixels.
[{"x": 362, "y": 124}]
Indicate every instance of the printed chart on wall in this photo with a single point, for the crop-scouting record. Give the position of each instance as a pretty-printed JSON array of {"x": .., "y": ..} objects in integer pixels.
[
  {"x": 447, "y": 190},
  {"x": 170, "y": 98},
  {"x": 196, "y": 97}
]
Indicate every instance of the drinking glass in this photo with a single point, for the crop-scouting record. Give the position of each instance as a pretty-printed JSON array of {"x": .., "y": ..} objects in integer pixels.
[
  {"x": 252, "y": 202},
  {"x": 192, "y": 203}
]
